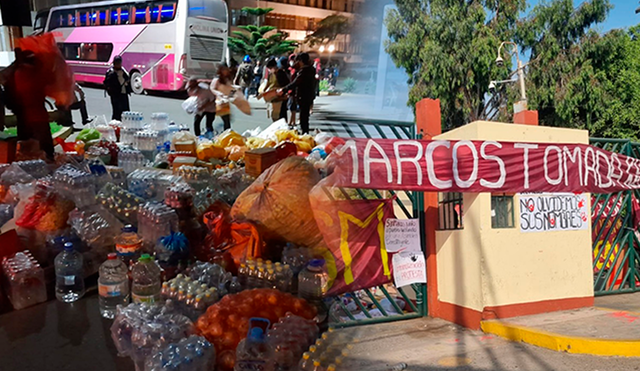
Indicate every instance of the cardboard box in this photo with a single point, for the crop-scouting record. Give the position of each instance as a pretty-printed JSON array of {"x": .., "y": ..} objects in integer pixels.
[
  {"x": 256, "y": 161},
  {"x": 183, "y": 161},
  {"x": 189, "y": 146}
]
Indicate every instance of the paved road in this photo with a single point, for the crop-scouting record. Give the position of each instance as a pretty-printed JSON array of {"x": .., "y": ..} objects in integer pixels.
[
  {"x": 71, "y": 337},
  {"x": 98, "y": 104}
]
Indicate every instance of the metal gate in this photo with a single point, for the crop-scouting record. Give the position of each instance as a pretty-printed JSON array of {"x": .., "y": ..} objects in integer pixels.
[
  {"x": 378, "y": 304},
  {"x": 616, "y": 259}
]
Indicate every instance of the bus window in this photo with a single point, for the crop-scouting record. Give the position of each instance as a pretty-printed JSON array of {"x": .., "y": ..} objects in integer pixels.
[
  {"x": 119, "y": 15},
  {"x": 93, "y": 52},
  {"x": 41, "y": 20},
  {"x": 140, "y": 11},
  {"x": 84, "y": 17},
  {"x": 210, "y": 9},
  {"x": 163, "y": 12}
]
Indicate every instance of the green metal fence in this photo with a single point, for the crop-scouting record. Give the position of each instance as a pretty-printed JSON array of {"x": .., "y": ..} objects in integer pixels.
[
  {"x": 378, "y": 304},
  {"x": 616, "y": 259}
]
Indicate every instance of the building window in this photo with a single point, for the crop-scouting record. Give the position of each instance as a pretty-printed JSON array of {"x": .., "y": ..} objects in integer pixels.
[
  {"x": 502, "y": 211},
  {"x": 450, "y": 211}
]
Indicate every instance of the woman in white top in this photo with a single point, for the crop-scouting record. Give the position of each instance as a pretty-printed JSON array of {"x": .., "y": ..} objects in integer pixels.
[{"x": 222, "y": 88}]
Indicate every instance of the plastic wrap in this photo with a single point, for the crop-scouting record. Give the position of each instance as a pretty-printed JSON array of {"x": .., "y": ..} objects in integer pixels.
[
  {"x": 156, "y": 220},
  {"x": 151, "y": 184},
  {"x": 139, "y": 330},
  {"x": 289, "y": 338},
  {"x": 190, "y": 105},
  {"x": 95, "y": 226},
  {"x": 120, "y": 202},
  {"x": 278, "y": 201},
  {"x": 190, "y": 297},
  {"x": 23, "y": 280},
  {"x": 194, "y": 353},
  {"x": 75, "y": 184}
]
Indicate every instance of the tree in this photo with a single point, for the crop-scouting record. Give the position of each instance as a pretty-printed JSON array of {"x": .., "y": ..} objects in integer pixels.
[
  {"x": 328, "y": 30},
  {"x": 448, "y": 49},
  {"x": 578, "y": 78},
  {"x": 260, "y": 42}
]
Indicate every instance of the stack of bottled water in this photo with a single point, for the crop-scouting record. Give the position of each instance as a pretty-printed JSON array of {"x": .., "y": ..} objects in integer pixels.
[
  {"x": 95, "y": 226},
  {"x": 190, "y": 297},
  {"x": 118, "y": 176},
  {"x": 132, "y": 122},
  {"x": 194, "y": 353},
  {"x": 297, "y": 258},
  {"x": 23, "y": 281},
  {"x": 255, "y": 274},
  {"x": 329, "y": 352},
  {"x": 289, "y": 338},
  {"x": 313, "y": 285},
  {"x": 139, "y": 330},
  {"x": 211, "y": 275},
  {"x": 151, "y": 184},
  {"x": 130, "y": 160},
  {"x": 160, "y": 124},
  {"x": 120, "y": 202},
  {"x": 197, "y": 177},
  {"x": 156, "y": 220},
  {"x": 179, "y": 196},
  {"x": 76, "y": 185},
  {"x": 36, "y": 168}
]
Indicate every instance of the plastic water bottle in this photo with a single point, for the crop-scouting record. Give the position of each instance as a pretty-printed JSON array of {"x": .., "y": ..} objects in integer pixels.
[
  {"x": 312, "y": 286},
  {"x": 69, "y": 274},
  {"x": 147, "y": 283},
  {"x": 254, "y": 352},
  {"x": 113, "y": 285},
  {"x": 128, "y": 244}
]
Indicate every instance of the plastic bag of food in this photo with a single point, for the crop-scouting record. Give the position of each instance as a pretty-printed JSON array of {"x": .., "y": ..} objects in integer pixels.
[
  {"x": 208, "y": 150},
  {"x": 190, "y": 105},
  {"x": 278, "y": 201},
  {"x": 88, "y": 134},
  {"x": 236, "y": 153},
  {"x": 229, "y": 138},
  {"x": 227, "y": 322}
]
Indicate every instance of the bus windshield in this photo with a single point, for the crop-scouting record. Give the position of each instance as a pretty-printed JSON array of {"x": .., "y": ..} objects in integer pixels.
[
  {"x": 41, "y": 21},
  {"x": 214, "y": 10}
]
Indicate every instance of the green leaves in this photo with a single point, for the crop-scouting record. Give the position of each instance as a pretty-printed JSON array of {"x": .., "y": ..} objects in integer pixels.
[
  {"x": 260, "y": 42},
  {"x": 328, "y": 29}
]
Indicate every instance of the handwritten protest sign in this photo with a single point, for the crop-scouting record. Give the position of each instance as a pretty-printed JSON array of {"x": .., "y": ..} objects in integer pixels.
[
  {"x": 553, "y": 212},
  {"x": 409, "y": 267},
  {"x": 402, "y": 235}
]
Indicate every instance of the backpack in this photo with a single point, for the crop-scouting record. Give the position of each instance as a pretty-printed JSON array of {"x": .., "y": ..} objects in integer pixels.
[{"x": 246, "y": 74}]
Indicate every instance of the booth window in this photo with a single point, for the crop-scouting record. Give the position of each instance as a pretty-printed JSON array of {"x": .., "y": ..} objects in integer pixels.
[
  {"x": 450, "y": 211},
  {"x": 502, "y": 211}
]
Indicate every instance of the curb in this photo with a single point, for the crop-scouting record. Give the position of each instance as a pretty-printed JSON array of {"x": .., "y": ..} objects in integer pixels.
[{"x": 562, "y": 343}]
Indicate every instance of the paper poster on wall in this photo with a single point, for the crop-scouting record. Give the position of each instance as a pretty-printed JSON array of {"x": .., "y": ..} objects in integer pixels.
[
  {"x": 553, "y": 212},
  {"x": 401, "y": 235},
  {"x": 409, "y": 267}
]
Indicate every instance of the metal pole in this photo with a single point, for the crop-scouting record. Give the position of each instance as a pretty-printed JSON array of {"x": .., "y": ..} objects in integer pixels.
[{"x": 523, "y": 94}]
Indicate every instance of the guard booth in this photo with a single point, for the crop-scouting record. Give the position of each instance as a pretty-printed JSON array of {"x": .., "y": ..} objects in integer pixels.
[{"x": 500, "y": 255}]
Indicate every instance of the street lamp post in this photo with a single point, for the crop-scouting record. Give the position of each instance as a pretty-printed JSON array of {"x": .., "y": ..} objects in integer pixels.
[{"x": 520, "y": 69}]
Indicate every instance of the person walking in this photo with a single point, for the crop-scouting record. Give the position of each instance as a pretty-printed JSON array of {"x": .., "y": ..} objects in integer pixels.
[
  {"x": 305, "y": 89},
  {"x": 206, "y": 105},
  {"x": 258, "y": 73},
  {"x": 118, "y": 86},
  {"x": 275, "y": 81},
  {"x": 244, "y": 77},
  {"x": 283, "y": 75},
  {"x": 318, "y": 66},
  {"x": 223, "y": 90}
]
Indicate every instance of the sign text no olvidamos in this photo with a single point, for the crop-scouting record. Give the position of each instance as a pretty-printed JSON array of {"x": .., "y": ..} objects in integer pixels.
[{"x": 553, "y": 212}]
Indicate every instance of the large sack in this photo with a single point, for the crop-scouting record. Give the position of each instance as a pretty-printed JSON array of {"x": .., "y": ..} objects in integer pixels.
[{"x": 278, "y": 201}]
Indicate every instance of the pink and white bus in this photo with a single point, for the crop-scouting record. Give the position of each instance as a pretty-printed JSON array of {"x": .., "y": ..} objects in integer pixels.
[{"x": 162, "y": 42}]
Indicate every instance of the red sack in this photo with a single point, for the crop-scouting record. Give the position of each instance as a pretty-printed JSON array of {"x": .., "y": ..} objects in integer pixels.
[
  {"x": 52, "y": 72},
  {"x": 240, "y": 239}
]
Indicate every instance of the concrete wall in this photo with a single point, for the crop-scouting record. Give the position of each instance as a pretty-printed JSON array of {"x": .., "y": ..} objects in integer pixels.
[{"x": 480, "y": 267}]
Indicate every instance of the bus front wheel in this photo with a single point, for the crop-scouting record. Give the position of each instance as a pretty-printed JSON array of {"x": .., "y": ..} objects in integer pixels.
[{"x": 136, "y": 82}]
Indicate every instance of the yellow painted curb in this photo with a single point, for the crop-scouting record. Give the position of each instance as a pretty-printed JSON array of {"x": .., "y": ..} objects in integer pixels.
[{"x": 562, "y": 343}]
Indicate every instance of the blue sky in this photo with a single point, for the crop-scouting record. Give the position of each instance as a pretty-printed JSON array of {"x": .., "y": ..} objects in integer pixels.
[{"x": 622, "y": 15}]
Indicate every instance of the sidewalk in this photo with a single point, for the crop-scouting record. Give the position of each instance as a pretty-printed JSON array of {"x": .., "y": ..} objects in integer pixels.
[{"x": 610, "y": 328}]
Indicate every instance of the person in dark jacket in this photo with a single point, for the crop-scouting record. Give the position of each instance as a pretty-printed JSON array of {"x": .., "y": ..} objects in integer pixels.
[
  {"x": 283, "y": 79},
  {"x": 244, "y": 76},
  {"x": 118, "y": 86},
  {"x": 305, "y": 86}
]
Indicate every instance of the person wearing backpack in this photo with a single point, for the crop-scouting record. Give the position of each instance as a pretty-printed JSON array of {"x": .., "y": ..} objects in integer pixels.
[
  {"x": 244, "y": 77},
  {"x": 118, "y": 85}
]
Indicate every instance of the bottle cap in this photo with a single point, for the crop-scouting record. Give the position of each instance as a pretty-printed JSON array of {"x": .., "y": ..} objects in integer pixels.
[
  {"x": 128, "y": 228},
  {"x": 68, "y": 246},
  {"x": 331, "y": 367},
  {"x": 316, "y": 363},
  {"x": 316, "y": 263},
  {"x": 145, "y": 258},
  {"x": 257, "y": 334},
  {"x": 112, "y": 256},
  {"x": 306, "y": 355}
]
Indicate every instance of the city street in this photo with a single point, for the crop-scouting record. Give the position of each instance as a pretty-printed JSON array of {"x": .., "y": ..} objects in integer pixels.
[{"x": 98, "y": 104}]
